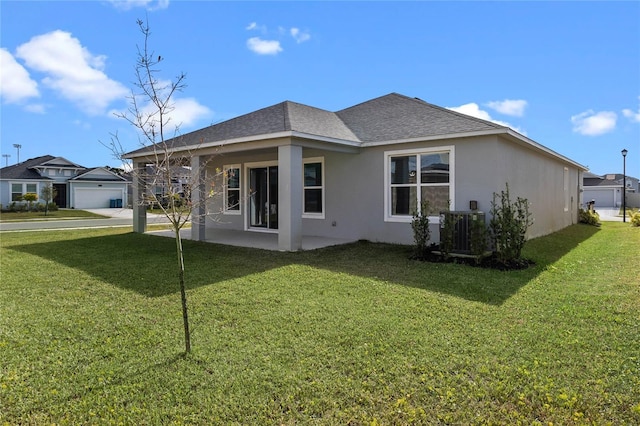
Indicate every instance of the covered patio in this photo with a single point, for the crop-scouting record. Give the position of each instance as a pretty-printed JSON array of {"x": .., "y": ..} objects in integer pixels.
[{"x": 259, "y": 240}]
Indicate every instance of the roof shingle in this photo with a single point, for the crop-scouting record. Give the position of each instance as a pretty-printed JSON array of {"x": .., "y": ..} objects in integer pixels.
[
  {"x": 387, "y": 118},
  {"x": 24, "y": 169}
]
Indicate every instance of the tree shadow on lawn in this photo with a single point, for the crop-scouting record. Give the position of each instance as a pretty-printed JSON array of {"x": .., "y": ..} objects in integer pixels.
[{"x": 147, "y": 264}]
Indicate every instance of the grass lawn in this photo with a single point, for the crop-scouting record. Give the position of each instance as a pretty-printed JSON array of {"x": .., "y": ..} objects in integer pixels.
[
  {"x": 58, "y": 214},
  {"x": 91, "y": 333}
]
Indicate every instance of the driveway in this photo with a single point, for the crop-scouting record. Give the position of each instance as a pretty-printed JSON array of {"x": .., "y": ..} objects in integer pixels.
[
  {"x": 610, "y": 214},
  {"x": 115, "y": 218}
]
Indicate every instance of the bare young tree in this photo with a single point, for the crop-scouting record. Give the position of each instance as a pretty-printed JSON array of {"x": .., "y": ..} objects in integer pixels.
[
  {"x": 48, "y": 193},
  {"x": 166, "y": 174}
]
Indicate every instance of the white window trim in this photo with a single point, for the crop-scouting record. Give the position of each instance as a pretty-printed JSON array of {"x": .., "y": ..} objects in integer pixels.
[
  {"x": 225, "y": 210},
  {"x": 388, "y": 217},
  {"x": 322, "y": 187},
  {"x": 247, "y": 194},
  {"x": 24, "y": 189}
]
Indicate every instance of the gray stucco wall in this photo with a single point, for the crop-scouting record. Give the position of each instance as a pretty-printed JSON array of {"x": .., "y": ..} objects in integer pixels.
[
  {"x": 5, "y": 189},
  {"x": 354, "y": 187}
]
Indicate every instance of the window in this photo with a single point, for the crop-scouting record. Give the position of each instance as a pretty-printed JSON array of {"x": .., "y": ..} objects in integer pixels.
[
  {"x": 19, "y": 189},
  {"x": 414, "y": 176},
  {"x": 16, "y": 191},
  {"x": 313, "y": 188},
  {"x": 232, "y": 189}
]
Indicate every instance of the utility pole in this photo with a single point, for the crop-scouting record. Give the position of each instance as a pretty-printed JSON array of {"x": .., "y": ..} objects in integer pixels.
[
  {"x": 624, "y": 185},
  {"x": 6, "y": 159},
  {"x": 17, "y": 146}
]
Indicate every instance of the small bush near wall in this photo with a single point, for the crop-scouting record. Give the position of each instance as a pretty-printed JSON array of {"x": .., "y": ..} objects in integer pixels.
[
  {"x": 508, "y": 227},
  {"x": 506, "y": 234},
  {"x": 635, "y": 219},
  {"x": 421, "y": 232},
  {"x": 590, "y": 217}
]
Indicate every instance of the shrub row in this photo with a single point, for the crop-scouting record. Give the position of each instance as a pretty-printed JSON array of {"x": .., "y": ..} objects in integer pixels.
[{"x": 22, "y": 207}]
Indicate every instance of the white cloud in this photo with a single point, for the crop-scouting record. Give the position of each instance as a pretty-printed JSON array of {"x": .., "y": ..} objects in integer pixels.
[
  {"x": 473, "y": 109},
  {"x": 82, "y": 124},
  {"x": 35, "y": 108},
  {"x": 71, "y": 70},
  {"x": 15, "y": 83},
  {"x": 591, "y": 123},
  {"x": 188, "y": 111},
  {"x": 299, "y": 36},
  {"x": 183, "y": 112},
  {"x": 273, "y": 47},
  {"x": 264, "y": 47},
  {"x": 255, "y": 27},
  {"x": 513, "y": 107},
  {"x": 631, "y": 115},
  {"x": 147, "y": 4}
]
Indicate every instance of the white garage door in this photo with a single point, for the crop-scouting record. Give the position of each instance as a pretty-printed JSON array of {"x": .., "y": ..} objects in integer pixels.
[
  {"x": 94, "y": 198},
  {"x": 602, "y": 197}
]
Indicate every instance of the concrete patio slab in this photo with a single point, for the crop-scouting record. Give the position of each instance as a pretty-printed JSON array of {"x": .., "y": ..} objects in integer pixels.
[{"x": 259, "y": 240}]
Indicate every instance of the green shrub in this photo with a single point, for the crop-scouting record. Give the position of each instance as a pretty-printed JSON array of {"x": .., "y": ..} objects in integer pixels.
[
  {"x": 590, "y": 217},
  {"x": 508, "y": 226},
  {"x": 448, "y": 223},
  {"x": 421, "y": 232},
  {"x": 635, "y": 219},
  {"x": 30, "y": 198}
]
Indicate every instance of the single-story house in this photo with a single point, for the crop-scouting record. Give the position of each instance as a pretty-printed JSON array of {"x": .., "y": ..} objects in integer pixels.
[
  {"x": 606, "y": 190},
  {"x": 360, "y": 173},
  {"x": 76, "y": 186}
]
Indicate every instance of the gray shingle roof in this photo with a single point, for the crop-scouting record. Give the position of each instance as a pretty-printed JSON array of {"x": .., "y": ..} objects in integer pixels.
[
  {"x": 395, "y": 117},
  {"x": 86, "y": 175},
  {"x": 611, "y": 179},
  {"x": 24, "y": 169},
  {"x": 387, "y": 118}
]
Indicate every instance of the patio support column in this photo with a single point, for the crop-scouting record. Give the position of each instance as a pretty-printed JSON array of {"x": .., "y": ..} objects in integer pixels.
[
  {"x": 290, "y": 198},
  {"x": 198, "y": 198},
  {"x": 137, "y": 202}
]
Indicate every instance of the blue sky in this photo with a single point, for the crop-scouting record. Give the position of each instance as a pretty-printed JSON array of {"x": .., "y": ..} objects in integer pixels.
[{"x": 565, "y": 74}]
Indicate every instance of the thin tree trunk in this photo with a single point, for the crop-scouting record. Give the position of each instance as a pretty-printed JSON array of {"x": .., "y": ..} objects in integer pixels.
[{"x": 183, "y": 293}]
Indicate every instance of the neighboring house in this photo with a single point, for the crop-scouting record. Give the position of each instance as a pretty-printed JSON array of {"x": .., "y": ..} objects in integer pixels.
[
  {"x": 361, "y": 172},
  {"x": 157, "y": 184},
  {"x": 606, "y": 190},
  {"x": 76, "y": 186}
]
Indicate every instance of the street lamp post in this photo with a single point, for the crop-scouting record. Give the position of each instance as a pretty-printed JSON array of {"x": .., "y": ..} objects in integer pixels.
[
  {"x": 17, "y": 146},
  {"x": 624, "y": 185},
  {"x": 6, "y": 159}
]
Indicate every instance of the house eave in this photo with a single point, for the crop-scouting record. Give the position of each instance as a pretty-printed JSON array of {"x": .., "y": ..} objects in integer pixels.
[
  {"x": 431, "y": 138},
  {"x": 305, "y": 138},
  {"x": 509, "y": 133},
  {"x": 518, "y": 138}
]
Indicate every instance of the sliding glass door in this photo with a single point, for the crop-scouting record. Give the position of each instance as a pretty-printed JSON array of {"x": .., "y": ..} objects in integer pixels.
[{"x": 263, "y": 203}]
